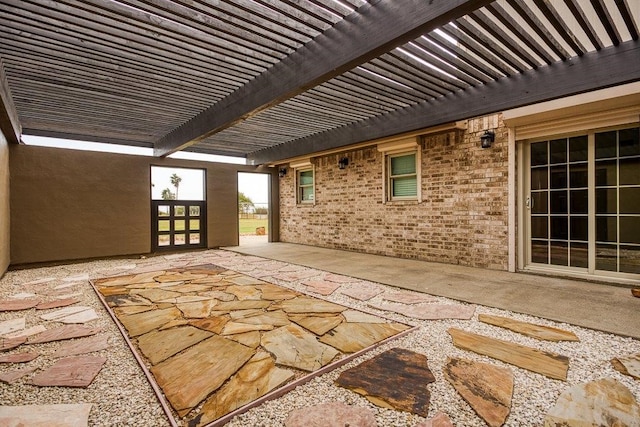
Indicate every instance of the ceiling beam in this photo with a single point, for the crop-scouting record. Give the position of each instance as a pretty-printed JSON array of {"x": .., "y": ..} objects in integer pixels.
[
  {"x": 372, "y": 30},
  {"x": 9, "y": 121},
  {"x": 608, "y": 67}
]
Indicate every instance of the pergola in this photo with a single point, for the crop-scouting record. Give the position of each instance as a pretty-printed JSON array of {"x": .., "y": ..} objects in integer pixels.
[{"x": 274, "y": 79}]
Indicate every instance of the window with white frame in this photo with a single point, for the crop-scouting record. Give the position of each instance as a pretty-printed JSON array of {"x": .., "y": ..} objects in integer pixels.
[
  {"x": 402, "y": 176},
  {"x": 305, "y": 185}
]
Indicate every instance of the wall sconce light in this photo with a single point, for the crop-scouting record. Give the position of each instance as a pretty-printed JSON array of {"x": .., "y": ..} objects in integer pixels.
[
  {"x": 282, "y": 172},
  {"x": 487, "y": 139},
  {"x": 343, "y": 162}
]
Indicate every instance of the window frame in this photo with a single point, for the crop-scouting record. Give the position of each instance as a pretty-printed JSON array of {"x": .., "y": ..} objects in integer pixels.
[
  {"x": 299, "y": 186},
  {"x": 390, "y": 177}
]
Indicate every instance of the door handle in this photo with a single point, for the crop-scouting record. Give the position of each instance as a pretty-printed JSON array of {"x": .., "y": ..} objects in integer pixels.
[{"x": 529, "y": 202}]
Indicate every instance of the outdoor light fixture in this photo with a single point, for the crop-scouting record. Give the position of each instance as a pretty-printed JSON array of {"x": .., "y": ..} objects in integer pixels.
[
  {"x": 487, "y": 138},
  {"x": 343, "y": 162},
  {"x": 282, "y": 172}
]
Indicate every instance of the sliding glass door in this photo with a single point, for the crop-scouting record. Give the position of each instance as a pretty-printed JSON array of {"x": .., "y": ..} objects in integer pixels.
[{"x": 582, "y": 202}]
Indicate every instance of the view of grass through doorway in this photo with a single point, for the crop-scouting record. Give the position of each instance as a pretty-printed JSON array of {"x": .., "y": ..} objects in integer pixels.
[{"x": 253, "y": 207}]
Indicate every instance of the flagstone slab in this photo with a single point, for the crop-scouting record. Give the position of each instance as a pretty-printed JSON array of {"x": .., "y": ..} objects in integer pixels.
[
  {"x": 321, "y": 287},
  {"x": 255, "y": 379},
  {"x": 246, "y": 292},
  {"x": 243, "y": 280},
  {"x": 9, "y": 377},
  {"x": 23, "y": 295},
  {"x": 12, "y": 325},
  {"x": 408, "y": 297},
  {"x": 293, "y": 346},
  {"x": 63, "y": 333},
  {"x": 178, "y": 276},
  {"x": 39, "y": 281},
  {"x": 338, "y": 278},
  {"x": 64, "y": 302},
  {"x": 275, "y": 318},
  {"x": 429, "y": 311},
  {"x": 126, "y": 300},
  {"x": 250, "y": 339},
  {"x": 18, "y": 357},
  {"x": 24, "y": 333},
  {"x": 440, "y": 419},
  {"x": 84, "y": 316},
  {"x": 130, "y": 279},
  {"x": 174, "y": 323},
  {"x": 486, "y": 388},
  {"x": 356, "y": 316},
  {"x": 187, "y": 288},
  {"x": 185, "y": 299},
  {"x": 74, "y": 371},
  {"x": 65, "y": 415},
  {"x": 213, "y": 324},
  {"x": 232, "y": 328},
  {"x": 295, "y": 276},
  {"x": 59, "y": 315},
  {"x": 160, "y": 345},
  {"x": 546, "y": 363},
  {"x": 82, "y": 346},
  {"x": 214, "y": 359},
  {"x": 77, "y": 278},
  {"x": 331, "y": 414},
  {"x": 604, "y": 402},
  {"x": 395, "y": 379},
  {"x": 197, "y": 309},
  {"x": 155, "y": 295},
  {"x": 352, "y": 337},
  {"x": 241, "y": 305},
  {"x": 317, "y": 325},
  {"x": 7, "y": 343},
  {"x": 141, "y": 323},
  {"x": 362, "y": 292},
  {"x": 275, "y": 293},
  {"x": 152, "y": 285},
  {"x": 629, "y": 365},
  {"x": 529, "y": 329},
  {"x": 132, "y": 309},
  {"x": 18, "y": 304},
  {"x": 305, "y": 305}
]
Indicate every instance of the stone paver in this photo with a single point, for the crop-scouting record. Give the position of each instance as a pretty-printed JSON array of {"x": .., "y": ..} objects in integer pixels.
[
  {"x": 429, "y": 311},
  {"x": 308, "y": 354},
  {"x": 395, "y": 379},
  {"x": 352, "y": 337},
  {"x": 321, "y": 287},
  {"x": 487, "y": 388},
  {"x": 65, "y": 415},
  {"x": 18, "y": 304},
  {"x": 543, "y": 362},
  {"x": 63, "y": 333},
  {"x": 529, "y": 329},
  {"x": 331, "y": 414},
  {"x": 12, "y": 325},
  {"x": 75, "y": 371},
  {"x": 628, "y": 365},
  {"x": 440, "y": 419},
  {"x": 362, "y": 292},
  {"x": 604, "y": 402},
  {"x": 82, "y": 346},
  {"x": 18, "y": 357}
]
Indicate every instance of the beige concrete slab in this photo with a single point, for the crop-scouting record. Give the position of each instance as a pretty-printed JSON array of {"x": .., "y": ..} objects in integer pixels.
[{"x": 592, "y": 305}]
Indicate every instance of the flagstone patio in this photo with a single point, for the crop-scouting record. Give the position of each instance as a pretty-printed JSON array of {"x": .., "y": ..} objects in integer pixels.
[{"x": 215, "y": 339}]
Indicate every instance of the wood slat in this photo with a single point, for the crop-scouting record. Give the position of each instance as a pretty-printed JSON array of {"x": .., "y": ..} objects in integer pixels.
[
  {"x": 586, "y": 26},
  {"x": 607, "y": 22},
  {"x": 560, "y": 26},
  {"x": 315, "y": 62},
  {"x": 625, "y": 12}
]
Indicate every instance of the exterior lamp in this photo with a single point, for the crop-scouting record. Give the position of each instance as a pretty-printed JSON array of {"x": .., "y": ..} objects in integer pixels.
[
  {"x": 487, "y": 139},
  {"x": 282, "y": 172},
  {"x": 343, "y": 162}
]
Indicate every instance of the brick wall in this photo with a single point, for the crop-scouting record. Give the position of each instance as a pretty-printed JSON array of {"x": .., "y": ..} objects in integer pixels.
[{"x": 462, "y": 218}]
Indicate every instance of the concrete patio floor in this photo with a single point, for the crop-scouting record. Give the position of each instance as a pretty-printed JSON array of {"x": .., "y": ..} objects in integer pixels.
[{"x": 592, "y": 305}]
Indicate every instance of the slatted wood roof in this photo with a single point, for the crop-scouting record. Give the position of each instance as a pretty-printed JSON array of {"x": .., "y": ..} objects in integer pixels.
[{"x": 272, "y": 79}]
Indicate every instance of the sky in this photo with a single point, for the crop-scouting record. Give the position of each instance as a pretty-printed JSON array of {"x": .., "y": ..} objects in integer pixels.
[{"x": 253, "y": 185}]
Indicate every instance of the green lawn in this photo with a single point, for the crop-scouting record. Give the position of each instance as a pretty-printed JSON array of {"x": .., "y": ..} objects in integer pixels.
[{"x": 248, "y": 226}]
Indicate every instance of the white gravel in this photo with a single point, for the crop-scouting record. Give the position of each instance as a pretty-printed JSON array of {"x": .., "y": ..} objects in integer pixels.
[{"x": 122, "y": 395}]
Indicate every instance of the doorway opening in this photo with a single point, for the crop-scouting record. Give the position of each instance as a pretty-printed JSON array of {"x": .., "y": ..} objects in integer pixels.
[
  {"x": 253, "y": 208},
  {"x": 178, "y": 209}
]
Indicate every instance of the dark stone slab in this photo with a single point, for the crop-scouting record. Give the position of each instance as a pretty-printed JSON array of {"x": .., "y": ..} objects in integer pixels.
[{"x": 395, "y": 379}]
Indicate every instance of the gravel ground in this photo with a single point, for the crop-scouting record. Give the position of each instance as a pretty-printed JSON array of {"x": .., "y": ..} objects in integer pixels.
[{"x": 122, "y": 395}]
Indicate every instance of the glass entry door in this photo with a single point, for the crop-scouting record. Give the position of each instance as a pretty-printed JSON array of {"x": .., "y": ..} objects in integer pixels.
[{"x": 583, "y": 202}]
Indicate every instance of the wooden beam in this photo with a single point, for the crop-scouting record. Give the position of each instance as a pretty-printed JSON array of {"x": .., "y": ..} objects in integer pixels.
[
  {"x": 608, "y": 67},
  {"x": 358, "y": 38},
  {"x": 9, "y": 121}
]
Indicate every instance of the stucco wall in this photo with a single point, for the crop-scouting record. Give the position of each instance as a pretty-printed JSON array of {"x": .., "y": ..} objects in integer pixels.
[
  {"x": 461, "y": 220},
  {"x": 4, "y": 205},
  {"x": 68, "y": 204}
]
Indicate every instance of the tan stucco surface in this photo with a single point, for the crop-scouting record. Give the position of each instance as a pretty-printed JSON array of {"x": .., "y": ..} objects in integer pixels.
[
  {"x": 4, "y": 205},
  {"x": 68, "y": 204}
]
